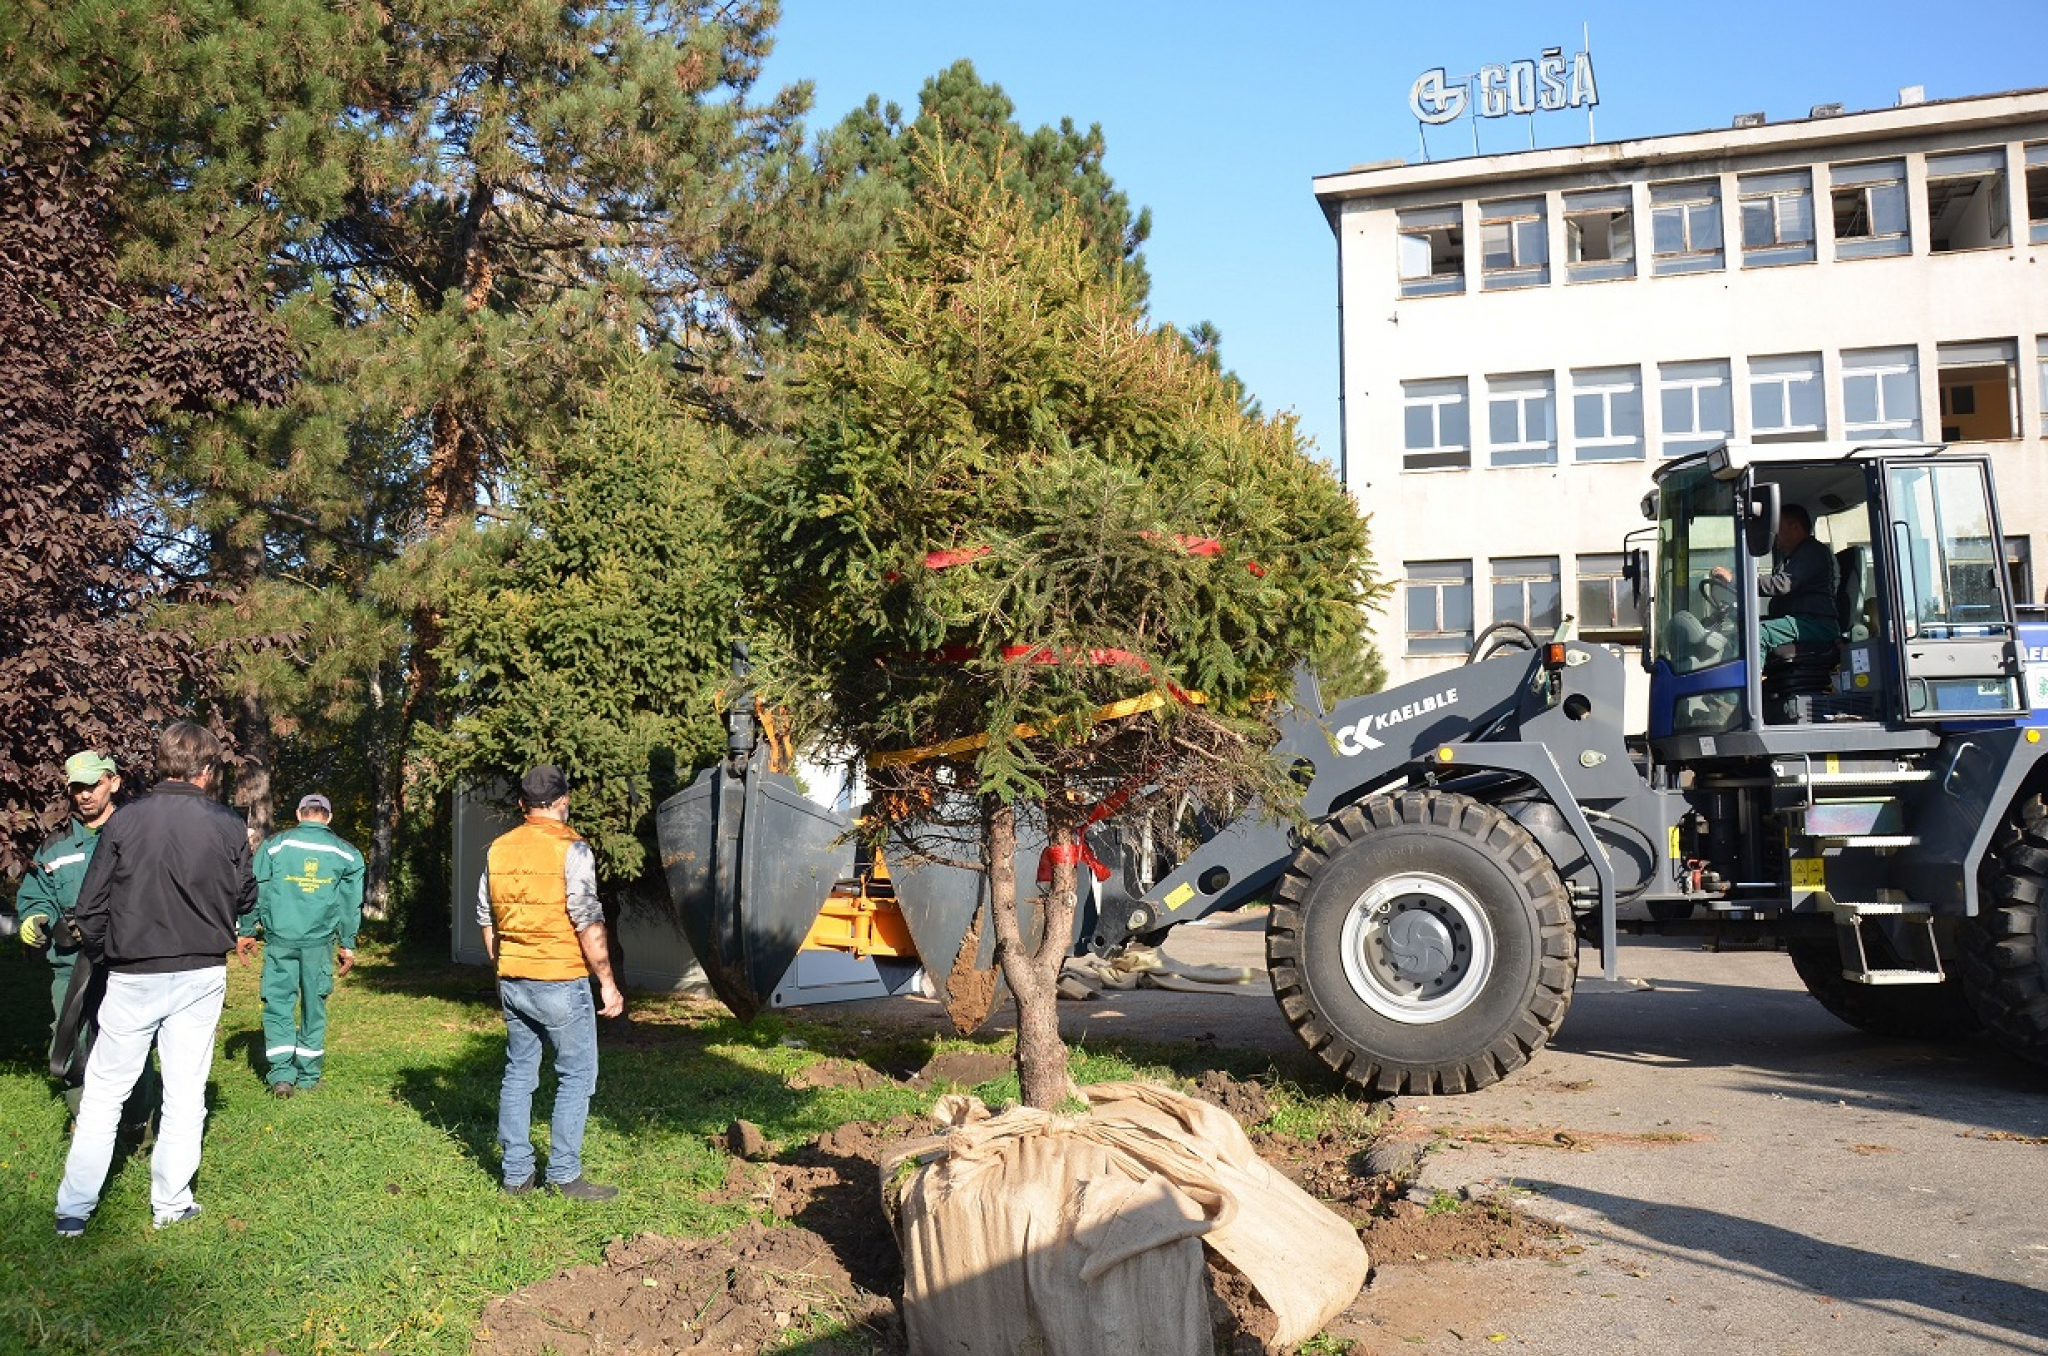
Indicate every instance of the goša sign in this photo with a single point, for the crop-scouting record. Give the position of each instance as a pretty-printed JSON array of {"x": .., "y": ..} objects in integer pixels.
[{"x": 1548, "y": 84}]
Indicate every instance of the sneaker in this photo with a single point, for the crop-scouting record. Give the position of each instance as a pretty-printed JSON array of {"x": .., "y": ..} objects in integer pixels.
[
  {"x": 282, "y": 1091},
  {"x": 70, "y": 1226},
  {"x": 521, "y": 1188},
  {"x": 185, "y": 1216},
  {"x": 582, "y": 1189}
]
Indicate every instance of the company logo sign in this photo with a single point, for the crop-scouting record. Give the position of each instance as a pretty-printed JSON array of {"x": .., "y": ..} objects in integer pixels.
[
  {"x": 1357, "y": 737},
  {"x": 1549, "y": 84}
]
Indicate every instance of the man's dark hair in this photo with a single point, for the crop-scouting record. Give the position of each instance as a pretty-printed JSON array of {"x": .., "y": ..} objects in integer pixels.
[
  {"x": 1798, "y": 514},
  {"x": 184, "y": 751}
]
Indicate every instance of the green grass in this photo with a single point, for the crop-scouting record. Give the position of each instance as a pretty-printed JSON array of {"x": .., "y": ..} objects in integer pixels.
[{"x": 367, "y": 1217}]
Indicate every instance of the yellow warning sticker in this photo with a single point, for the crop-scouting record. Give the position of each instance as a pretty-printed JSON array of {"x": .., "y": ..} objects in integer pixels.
[
  {"x": 1808, "y": 873},
  {"x": 1179, "y": 895},
  {"x": 1671, "y": 855}
]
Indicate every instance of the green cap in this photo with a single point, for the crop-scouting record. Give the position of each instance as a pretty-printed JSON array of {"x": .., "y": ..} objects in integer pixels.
[{"x": 86, "y": 769}]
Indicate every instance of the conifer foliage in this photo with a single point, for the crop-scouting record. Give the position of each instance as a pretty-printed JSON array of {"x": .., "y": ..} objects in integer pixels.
[{"x": 1039, "y": 544}]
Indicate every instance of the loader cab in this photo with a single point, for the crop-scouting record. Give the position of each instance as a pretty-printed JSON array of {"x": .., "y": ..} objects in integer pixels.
[{"x": 1921, "y": 630}]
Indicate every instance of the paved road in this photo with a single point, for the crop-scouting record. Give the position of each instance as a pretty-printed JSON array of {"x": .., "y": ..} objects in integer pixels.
[{"x": 1743, "y": 1172}]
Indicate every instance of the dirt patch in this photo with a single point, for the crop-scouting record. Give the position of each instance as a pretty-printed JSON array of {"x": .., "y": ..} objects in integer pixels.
[
  {"x": 1246, "y": 1100},
  {"x": 828, "y": 1281},
  {"x": 839, "y": 1073},
  {"x": 971, "y": 994},
  {"x": 746, "y": 1291},
  {"x": 964, "y": 1068},
  {"x": 1564, "y": 1138}
]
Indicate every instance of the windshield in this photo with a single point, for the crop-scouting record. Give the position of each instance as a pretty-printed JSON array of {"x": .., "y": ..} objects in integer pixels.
[
  {"x": 1697, "y": 617},
  {"x": 1948, "y": 558}
]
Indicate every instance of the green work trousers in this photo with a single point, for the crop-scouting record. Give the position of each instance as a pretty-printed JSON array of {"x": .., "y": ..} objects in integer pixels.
[{"x": 296, "y": 981}]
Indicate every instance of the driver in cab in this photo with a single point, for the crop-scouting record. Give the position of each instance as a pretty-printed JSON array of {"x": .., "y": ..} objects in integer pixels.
[{"x": 1800, "y": 586}]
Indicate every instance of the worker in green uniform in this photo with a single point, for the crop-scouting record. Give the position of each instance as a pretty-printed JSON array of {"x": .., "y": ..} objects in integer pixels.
[
  {"x": 309, "y": 907},
  {"x": 50, "y": 891}
]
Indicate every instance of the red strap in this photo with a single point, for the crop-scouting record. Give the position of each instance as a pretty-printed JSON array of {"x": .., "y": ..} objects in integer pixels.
[{"x": 1076, "y": 852}]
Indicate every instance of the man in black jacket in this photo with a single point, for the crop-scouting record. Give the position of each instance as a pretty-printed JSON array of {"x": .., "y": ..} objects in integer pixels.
[{"x": 157, "y": 911}]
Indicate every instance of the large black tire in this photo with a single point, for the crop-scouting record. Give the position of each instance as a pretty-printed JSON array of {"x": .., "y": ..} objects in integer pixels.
[
  {"x": 1927, "y": 1012},
  {"x": 2005, "y": 947},
  {"x": 1422, "y": 943}
]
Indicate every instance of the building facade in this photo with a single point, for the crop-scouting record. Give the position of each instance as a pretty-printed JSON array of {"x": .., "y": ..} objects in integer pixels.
[{"x": 1526, "y": 336}]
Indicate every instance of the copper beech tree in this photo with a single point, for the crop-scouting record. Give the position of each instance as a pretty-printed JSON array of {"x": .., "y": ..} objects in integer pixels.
[
  {"x": 1034, "y": 564},
  {"x": 89, "y": 364}
]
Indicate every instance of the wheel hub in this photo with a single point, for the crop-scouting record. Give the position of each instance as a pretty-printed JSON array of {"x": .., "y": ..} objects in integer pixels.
[{"x": 1417, "y": 948}]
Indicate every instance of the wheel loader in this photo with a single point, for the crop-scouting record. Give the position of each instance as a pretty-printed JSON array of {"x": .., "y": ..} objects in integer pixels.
[{"x": 1872, "y": 804}]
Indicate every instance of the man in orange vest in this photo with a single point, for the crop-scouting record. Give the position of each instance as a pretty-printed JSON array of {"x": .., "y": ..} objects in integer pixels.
[{"x": 543, "y": 926}]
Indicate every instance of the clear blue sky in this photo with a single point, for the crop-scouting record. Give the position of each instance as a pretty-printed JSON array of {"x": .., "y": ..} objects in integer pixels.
[{"x": 1218, "y": 115}]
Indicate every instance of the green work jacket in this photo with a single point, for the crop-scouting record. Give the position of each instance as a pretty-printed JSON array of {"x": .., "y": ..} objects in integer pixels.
[
  {"x": 309, "y": 889},
  {"x": 50, "y": 888}
]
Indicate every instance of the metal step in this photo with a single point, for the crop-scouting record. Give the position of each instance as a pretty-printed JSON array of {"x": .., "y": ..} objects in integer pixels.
[
  {"x": 1869, "y": 840},
  {"x": 1799, "y": 777},
  {"x": 1846, "y": 910},
  {"x": 1894, "y": 977}
]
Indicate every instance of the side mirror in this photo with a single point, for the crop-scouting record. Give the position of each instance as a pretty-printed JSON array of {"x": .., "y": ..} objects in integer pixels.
[{"x": 1760, "y": 524}]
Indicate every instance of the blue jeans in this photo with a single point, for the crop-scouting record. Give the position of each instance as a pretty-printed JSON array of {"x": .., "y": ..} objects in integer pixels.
[
  {"x": 178, "y": 1013},
  {"x": 561, "y": 1013}
]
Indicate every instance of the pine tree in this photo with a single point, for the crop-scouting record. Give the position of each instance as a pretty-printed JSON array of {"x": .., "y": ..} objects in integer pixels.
[
  {"x": 1012, "y": 505},
  {"x": 592, "y": 631}
]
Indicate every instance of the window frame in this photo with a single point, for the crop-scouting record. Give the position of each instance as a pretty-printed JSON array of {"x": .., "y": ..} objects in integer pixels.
[
  {"x": 1518, "y": 388},
  {"x": 1521, "y": 574},
  {"x": 1616, "y": 205},
  {"x": 1415, "y": 395},
  {"x": 1436, "y": 578},
  {"x": 1878, "y": 364},
  {"x": 1423, "y": 223},
  {"x": 1623, "y": 623},
  {"x": 2034, "y": 165},
  {"x": 1782, "y": 370},
  {"x": 1697, "y": 438},
  {"x": 1954, "y": 167},
  {"x": 1603, "y": 384},
  {"x": 1862, "y": 178},
  {"x": 1693, "y": 211},
  {"x": 1774, "y": 191},
  {"x": 1517, "y": 215}
]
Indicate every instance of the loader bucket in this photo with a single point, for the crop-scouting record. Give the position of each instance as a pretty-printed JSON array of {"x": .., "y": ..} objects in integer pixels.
[{"x": 749, "y": 860}]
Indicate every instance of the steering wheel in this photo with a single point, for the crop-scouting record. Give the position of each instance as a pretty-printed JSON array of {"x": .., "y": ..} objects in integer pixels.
[{"x": 1718, "y": 593}]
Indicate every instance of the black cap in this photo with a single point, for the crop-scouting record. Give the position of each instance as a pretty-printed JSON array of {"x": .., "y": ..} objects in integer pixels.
[{"x": 544, "y": 785}]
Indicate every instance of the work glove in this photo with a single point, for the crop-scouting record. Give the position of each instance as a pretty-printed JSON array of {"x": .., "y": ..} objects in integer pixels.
[{"x": 35, "y": 931}]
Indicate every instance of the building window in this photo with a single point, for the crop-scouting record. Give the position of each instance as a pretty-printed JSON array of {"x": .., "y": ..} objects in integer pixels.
[
  {"x": 1607, "y": 413},
  {"x": 1685, "y": 226},
  {"x": 1607, "y": 607},
  {"x": 1514, "y": 243},
  {"x": 1786, "y": 399},
  {"x": 1698, "y": 406},
  {"x": 2037, "y": 194},
  {"x": 1432, "y": 246},
  {"x": 1599, "y": 235},
  {"x": 1525, "y": 590},
  {"x": 1978, "y": 386},
  {"x": 2041, "y": 353},
  {"x": 1869, "y": 203},
  {"x": 1966, "y": 207},
  {"x": 1439, "y": 596},
  {"x": 1439, "y": 425},
  {"x": 1520, "y": 423},
  {"x": 1777, "y": 218},
  {"x": 2019, "y": 569},
  {"x": 1880, "y": 394}
]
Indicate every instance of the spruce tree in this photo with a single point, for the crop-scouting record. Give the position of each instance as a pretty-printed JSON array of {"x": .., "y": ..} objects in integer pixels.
[{"x": 1012, "y": 506}]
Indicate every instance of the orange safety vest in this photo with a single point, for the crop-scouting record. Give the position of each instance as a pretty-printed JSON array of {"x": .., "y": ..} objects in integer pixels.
[{"x": 530, "y": 902}]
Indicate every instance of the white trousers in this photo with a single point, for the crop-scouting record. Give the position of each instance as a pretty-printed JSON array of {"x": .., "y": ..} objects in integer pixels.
[{"x": 178, "y": 1013}]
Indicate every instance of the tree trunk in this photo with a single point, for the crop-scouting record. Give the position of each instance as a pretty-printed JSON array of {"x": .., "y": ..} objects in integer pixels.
[
  {"x": 1033, "y": 972},
  {"x": 252, "y": 768},
  {"x": 383, "y": 804}
]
